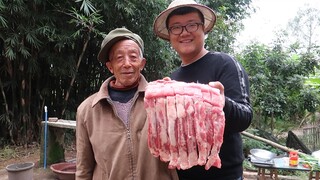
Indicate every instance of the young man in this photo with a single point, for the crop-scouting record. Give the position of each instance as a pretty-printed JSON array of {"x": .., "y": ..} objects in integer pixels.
[
  {"x": 111, "y": 130},
  {"x": 184, "y": 24}
]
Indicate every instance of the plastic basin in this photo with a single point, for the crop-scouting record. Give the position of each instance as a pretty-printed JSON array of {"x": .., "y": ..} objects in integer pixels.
[
  {"x": 64, "y": 170},
  {"x": 20, "y": 171}
]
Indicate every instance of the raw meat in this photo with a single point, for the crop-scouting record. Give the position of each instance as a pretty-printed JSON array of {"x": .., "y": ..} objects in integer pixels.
[{"x": 186, "y": 123}]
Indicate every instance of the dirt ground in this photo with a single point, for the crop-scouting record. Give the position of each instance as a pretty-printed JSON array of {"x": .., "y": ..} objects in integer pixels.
[{"x": 32, "y": 154}]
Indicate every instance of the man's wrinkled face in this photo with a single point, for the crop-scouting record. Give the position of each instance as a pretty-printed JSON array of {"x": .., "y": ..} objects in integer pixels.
[{"x": 125, "y": 62}]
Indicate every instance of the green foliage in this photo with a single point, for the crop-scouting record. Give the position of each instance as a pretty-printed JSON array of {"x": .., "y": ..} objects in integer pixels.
[
  {"x": 277, "y": 82},
  {"x": 250, "y": 143},
  {"x": 247, "y": 165},
  {"x": 48, "y": 53},
  {"x": 7, "y": 153},
  {"x": 313, "y": 81},
  {"x": 311, "y": 99},
  {"x": 87, "y": 7},
  {"x": 86, "y": 23},
  {"x": 282, "y": 127},
  {"x": 282, "y": 74},
  {"x": 228, "y": 24},
  {"x": 3, "y": 21}
]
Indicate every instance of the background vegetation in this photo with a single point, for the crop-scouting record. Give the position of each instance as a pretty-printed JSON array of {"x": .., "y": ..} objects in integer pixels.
[{"x": 48, "y": 55}]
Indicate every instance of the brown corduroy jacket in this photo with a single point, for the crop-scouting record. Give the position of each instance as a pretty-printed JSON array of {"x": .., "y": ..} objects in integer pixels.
[{"x": 109, "y": 150}]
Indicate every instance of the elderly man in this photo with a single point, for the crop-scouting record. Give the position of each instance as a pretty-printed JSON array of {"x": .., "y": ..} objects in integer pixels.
[
  {"x": 185, "y": 25},
  {"x": 111, "y": 134}
]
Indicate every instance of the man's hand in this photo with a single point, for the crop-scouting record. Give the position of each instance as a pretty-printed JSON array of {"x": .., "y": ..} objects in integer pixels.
[
  {"x": 218, "y": 85},
  {"x": 166, "y": 78}
]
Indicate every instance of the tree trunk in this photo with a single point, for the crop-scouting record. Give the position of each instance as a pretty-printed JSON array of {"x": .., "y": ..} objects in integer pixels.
[
  {"x": 86, "y": 41},
  {"x": 4, "y": 101},
  {"x": 6, "y": 107},
  {"x": 23, "y": 114}
]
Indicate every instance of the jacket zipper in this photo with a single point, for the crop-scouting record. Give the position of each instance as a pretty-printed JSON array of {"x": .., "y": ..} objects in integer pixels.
[
  {"x": 135, "y": 97},
  {"x": 128, "y": 131}
]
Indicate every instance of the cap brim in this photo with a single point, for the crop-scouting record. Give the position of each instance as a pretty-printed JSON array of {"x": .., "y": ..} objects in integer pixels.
[
  {"x": 159, "y": 25},
  {"x": 102, "y": 56}
]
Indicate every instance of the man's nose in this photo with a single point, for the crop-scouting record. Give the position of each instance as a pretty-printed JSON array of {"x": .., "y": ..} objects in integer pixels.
[
  {"x": 184, "y": 30},
  {"x": 127, "y": 61}
]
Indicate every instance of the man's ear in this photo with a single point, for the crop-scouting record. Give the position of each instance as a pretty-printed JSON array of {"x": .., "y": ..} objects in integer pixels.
[
  {"x": 143, "y": 63},
  {"x": 108, "y": 65}
]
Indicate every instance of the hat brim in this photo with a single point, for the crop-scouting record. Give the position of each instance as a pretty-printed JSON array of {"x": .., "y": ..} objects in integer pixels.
[{"x": 159, "y": 25}]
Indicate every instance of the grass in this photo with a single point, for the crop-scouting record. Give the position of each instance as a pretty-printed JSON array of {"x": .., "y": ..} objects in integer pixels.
[{"x": 7, "y": 153}]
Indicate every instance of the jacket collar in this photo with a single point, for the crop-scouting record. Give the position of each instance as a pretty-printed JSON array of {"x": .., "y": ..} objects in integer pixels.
[{"x": 103, "y": 91}]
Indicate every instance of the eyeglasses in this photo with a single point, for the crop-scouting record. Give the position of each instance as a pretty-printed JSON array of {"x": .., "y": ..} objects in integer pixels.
[{"x": 191, "y": 27}]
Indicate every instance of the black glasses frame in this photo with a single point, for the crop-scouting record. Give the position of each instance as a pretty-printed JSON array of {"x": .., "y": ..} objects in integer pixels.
[{"x": 177, "y": 30}]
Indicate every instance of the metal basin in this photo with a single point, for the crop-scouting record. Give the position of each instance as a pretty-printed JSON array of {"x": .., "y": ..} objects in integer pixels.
[{"x": 262, "y": 155}]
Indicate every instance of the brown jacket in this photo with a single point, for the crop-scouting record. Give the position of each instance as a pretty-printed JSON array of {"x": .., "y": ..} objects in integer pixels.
[{"x": 107, "y": 149}]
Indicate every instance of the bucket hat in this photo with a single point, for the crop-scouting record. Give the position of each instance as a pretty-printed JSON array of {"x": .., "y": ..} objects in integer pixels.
[
  {"x": 114, "y": 36},
  {"x": 159, "y": 25}
]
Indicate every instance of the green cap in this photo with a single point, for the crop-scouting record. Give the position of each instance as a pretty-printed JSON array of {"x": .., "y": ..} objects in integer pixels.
[{"x": 115, "y": 36}]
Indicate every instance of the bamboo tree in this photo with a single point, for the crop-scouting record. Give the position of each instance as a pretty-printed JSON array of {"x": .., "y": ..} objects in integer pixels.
[
  {"x": 48, "y": 54},
  {"x": 23, "y": 32},
  {"x": 88, "y": 23}
]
